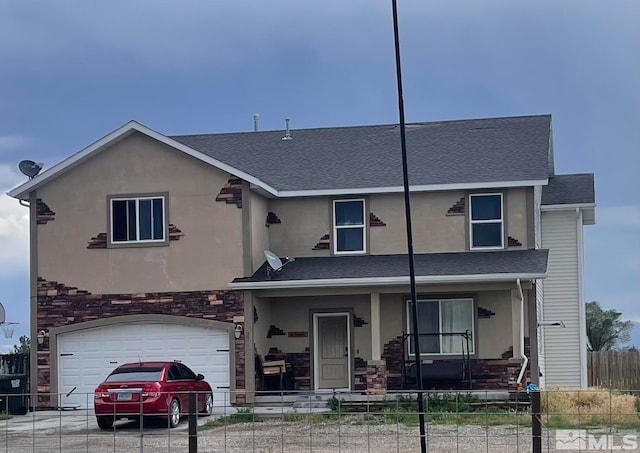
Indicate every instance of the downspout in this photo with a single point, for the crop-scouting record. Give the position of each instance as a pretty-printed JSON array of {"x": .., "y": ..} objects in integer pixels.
[{"x": 525, "y": 359}]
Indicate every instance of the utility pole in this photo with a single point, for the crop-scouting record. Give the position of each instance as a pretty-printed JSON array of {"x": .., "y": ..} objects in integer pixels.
[{"x": 407, "y": 210}]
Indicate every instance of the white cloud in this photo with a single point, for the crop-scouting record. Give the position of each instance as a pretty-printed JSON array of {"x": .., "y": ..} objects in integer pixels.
[
  {"x": 14, "y": 236},
  {"x": 11, "y": 142},
  {"x": 14, "y": 226}
]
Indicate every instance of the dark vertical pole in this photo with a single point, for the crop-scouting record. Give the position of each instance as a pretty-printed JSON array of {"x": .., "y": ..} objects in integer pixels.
[
  {"x": 407, "y": 209},
  {"x": 193, "y": 423},
  {"x": 536, "y": 423}
]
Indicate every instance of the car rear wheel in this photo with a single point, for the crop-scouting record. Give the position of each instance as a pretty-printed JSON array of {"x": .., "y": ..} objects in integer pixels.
[
  {"x": 105, "y": 422},
  {"x": 174, "y": 413},
  {"x": 208, "y": 405}
]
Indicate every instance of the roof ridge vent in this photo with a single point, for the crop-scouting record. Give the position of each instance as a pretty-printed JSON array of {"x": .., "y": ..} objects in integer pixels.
[{"x": 287, "y": 132}]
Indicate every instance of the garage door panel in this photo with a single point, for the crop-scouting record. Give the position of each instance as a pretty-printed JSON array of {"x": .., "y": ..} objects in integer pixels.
[{"x": 86, "y": 357}]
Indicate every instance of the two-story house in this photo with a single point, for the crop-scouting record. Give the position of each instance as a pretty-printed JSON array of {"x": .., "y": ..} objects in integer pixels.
[{"x": 146, "y": 246}]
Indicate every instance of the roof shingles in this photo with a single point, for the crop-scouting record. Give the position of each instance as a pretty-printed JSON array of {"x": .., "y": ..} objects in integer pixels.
[
  {"x": 428, "y": 264},
  {"x": 445, "y": 152}
]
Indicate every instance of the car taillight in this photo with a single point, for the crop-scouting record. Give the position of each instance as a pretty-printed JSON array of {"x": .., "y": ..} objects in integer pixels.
[
  {"x": 101, "y": 393},
  {"x": 151, "y": 391}
]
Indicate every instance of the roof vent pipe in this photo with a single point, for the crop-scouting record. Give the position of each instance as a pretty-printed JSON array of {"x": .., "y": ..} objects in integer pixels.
[
  {"x": 256, "y": 120},
  {"x": 287, "y": 133}
]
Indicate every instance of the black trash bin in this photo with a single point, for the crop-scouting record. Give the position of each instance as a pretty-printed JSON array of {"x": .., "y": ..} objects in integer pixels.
[{"x": 13, "y": 396}]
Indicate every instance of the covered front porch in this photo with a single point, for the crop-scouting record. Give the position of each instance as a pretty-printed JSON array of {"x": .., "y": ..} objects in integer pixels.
[{"x": 334, "y": 337}]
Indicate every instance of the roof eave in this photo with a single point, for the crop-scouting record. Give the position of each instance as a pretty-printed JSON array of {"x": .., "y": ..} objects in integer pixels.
[
  {"x": 385, "y": 281},
  {"x": 413, "y": 188},
  {"x": 22, "y": 191}
]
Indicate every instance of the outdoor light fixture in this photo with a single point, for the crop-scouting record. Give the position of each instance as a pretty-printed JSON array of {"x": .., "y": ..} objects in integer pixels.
[
  {"x": 237, "y": 331},
  {"x": 41, "y": 335},
  {"x": 551, "y": 323}
]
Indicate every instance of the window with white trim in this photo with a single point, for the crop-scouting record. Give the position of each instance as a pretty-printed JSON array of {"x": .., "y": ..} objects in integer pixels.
[
  {"x": 137, "y": 219},
  {"x": 486, "y": 227},
  {"x": 349, "y": 228},
  {"x": 441, "y": 323}
]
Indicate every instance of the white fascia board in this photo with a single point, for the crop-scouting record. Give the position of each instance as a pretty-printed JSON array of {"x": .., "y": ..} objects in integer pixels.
[
  {"x": 415, "y": 188},
  {"x": 23, "y": 190},
  {"x": 383, "y": 281},
  {"x": 567, "y": 207}
]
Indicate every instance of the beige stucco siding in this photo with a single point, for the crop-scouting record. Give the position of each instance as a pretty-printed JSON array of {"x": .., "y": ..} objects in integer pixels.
[
  {"x": 261, "y": 325},
  {"x": 259, "y": 230},
  {"x": 295, "y": 315},
  {"x": 493, "y": 334},
  {"x": 433, "y": 230},
  {"x": 304, "y": 222},
  {"x": 209, "y": 255},
  {"x": 516, "y": 215}
]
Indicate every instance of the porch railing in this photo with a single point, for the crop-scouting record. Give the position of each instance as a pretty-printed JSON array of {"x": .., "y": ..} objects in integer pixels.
[{"x": 464, "y": 356}]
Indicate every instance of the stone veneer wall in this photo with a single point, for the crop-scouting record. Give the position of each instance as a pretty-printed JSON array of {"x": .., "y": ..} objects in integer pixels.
[
  {"x": 486, "y": 374},
  {"x": 376, "y": 378},
  {"x": 62, "y": 305}
]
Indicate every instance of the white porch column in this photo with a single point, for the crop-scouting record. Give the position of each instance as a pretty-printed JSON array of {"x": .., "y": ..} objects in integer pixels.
[
  {"x": 515, "y": 323},
  {"x": 375, "y": 326}
]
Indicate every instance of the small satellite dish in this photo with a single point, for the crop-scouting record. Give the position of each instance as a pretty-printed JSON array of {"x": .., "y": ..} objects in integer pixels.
[
  {"x": 275, "y": 264},
  {"x": 2, "y": 314},
  {"x": 273, "y": 261},
  {"x": 29, "y": 168}
]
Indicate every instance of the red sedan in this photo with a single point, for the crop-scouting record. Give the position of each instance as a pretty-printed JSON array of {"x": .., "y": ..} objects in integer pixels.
[{"x": 145, "y": 389}]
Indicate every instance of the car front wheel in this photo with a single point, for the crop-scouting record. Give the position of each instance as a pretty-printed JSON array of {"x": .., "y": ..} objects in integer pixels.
[
  {"x": 174, "y": 413},
  {"x": 208, "y": 405},
  {"x": 105, "y": 422}
]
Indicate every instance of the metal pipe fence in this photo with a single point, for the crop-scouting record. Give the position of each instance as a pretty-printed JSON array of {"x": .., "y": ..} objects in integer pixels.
[{"x": 455, "y": 421}]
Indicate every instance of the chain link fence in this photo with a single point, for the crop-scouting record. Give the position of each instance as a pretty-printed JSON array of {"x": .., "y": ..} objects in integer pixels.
[{"x": 585, "y": 420}]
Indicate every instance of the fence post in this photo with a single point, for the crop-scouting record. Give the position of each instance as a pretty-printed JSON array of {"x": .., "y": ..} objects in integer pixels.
[
  {"x": 193, "y": 423},
  {"x": 536, "y": 422}
]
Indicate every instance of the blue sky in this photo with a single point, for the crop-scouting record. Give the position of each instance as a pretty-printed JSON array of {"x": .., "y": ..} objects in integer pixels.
[{"x": 72, "y": 71}]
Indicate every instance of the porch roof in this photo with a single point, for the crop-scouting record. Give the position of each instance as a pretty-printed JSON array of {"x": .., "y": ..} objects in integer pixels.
[{"x": 386, "y": 270}]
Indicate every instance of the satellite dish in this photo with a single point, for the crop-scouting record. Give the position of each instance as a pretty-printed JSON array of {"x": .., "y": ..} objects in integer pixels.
[
  {"x": 30, "y": 168},
  {"x": 275, "y": 264},
  {"x": 2, "y": 314},
  {"x": 273, "y": 261}
]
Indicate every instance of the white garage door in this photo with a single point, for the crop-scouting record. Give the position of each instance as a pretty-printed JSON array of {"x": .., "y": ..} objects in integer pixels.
[{"x": 86, "y": 357}]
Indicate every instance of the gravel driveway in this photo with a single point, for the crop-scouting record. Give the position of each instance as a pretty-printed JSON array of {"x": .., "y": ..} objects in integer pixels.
[{"x": 82, "y": 435}]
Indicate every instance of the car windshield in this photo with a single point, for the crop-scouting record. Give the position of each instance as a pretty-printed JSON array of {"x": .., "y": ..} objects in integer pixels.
[{"x": 134, "y": 374}]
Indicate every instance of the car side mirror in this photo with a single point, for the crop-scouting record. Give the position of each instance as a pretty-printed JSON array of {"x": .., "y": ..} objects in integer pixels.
[{"x": 199, "y": 377}]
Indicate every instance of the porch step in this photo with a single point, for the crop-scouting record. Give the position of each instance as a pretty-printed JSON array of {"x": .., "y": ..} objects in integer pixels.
[{"x": 297, "y": 401}]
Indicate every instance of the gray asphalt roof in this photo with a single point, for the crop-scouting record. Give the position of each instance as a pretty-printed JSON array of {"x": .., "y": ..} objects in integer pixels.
[
  {"x": 428, "y": 264},
  {"x": 443, "y": 152},
  {"x": 569, "y": 189}
]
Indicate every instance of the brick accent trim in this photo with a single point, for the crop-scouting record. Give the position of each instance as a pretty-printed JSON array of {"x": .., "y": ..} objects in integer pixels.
[
  {"x": 231, "y": 193},
  {"x": 100, "y": 240},
  {"x": 513, "y": 242},
  {"x": 376, "y": 378},
  {"x": 485, "y": 313},
  {"x": 374, "y": 221},
  {"x": 457, "y": 208},
  {"x": 44, "y": 213},
  {"x": 272, "y": 219},
  {"x": 324, "y": 243},
  {"x": 61, "y": 305}
]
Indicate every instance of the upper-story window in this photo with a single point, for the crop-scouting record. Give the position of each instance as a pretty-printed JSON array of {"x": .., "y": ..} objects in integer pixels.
[
  {"x": 136, "y": 220},
  {"x": 486, "y": 227},
  {"x": 349, "y": 229}
]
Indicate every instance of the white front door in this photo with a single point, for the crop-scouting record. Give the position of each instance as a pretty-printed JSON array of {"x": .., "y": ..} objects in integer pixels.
[
  {"x": 332, "y": 351},
  {"x": 86, "y": 357}
]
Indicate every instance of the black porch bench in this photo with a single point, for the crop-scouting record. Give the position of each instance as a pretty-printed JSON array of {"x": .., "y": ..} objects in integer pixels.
[{"x": 438, "y": 373}]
